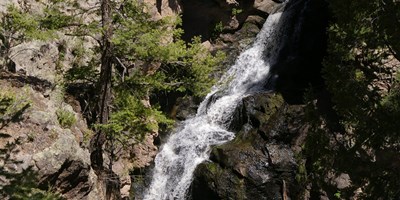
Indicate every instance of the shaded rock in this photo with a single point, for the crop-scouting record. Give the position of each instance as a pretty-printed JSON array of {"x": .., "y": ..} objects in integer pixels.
[
  {"x": 213, "y": 182},
  {"x": 259, "y": 163},
  {"x": 18, "y": 80},
  {"x": 73, "y": 179},
  {"x": 299, "y": 60},
  {"x": 342, "y": 181},
  {"x": 184, "y": 108},
  {"x": 201, "y": 17},
  {"x": 54, "y": 152},
  {"x": 280, "y": 155},
  {"x": 163, "y": 8},
  {"x": 266, "y": 6}
]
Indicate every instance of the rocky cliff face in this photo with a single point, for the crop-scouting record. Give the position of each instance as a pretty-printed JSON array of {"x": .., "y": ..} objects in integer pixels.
[
  {"x": 59, "y": 153},
  {"x": 44, "y": 142},
  {"x": 208, "y": 18}
]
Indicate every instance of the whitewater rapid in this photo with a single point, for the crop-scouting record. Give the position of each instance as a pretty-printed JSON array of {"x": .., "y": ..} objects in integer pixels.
[{"x": 191, "y": 143}]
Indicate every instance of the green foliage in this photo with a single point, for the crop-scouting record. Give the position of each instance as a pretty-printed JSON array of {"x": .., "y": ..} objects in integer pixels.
[
  {"x": 148, "y": 57},
  {"x": 65, "y": 118},
  {"x": 357, "y": 52},
  {"x": 130, "y": 121},
  {"x": 236, "y": 11},
  {"x": 86, "y": 74},
  {"x": 82, "y": 71},
  {"x": 179, "y": 66},
  {"x": 19, "y": 25},
  {"x": 55, "y": 19},
  {"x": 62, "y": 48},
  {"x": 338, "y": 195},
  {"x": 218, "y": 28},
  {"x": 185, "y": 71},
  {"x": 301, "y": 175},
  {"x": 11, "y": 107}
]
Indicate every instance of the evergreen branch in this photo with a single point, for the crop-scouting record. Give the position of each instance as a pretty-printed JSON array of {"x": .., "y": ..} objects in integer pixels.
[
  {"x": 174, "y": 84},
  {"x": 84, "y": 35}
]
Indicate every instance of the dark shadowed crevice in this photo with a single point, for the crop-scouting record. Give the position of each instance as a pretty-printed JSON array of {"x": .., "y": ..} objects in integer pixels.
[{"x": 300, "y": 59}]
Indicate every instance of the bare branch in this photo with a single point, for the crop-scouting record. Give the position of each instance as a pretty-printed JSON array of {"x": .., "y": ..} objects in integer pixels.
[{"x": 123, "y": 66}]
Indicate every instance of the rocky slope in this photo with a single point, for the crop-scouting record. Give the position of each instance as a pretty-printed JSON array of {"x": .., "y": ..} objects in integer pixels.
[
  {"x": 54, "y": 150},
  {"x": 44, "y": 144}
]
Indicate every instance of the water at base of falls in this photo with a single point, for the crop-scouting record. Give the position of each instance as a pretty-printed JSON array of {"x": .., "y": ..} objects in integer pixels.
[{"x": 191, "y": 144}]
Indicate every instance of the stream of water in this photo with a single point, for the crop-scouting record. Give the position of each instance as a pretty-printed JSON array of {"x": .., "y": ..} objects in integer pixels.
[{"x": 190, "y": 144}]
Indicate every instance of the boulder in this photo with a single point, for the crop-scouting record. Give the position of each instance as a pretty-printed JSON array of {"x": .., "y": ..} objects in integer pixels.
[
  {"x": 260, "y": 162},
  {"x": 36, "y": 59}
]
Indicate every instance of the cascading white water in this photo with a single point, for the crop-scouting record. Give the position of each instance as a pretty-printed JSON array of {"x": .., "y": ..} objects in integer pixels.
[{"x": 190, "y": 145}]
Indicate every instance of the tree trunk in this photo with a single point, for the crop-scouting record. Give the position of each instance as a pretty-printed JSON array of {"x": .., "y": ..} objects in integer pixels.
[
  {"x": 106, "y": 63},
  {"x": 110, "y": 179},
  {"x": 104, "y": 84}
]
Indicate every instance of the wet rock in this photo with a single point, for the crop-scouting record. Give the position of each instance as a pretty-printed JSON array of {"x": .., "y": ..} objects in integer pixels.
[
  {"x": 259, "y": 163},
  {"x": 213, "y": 182},
  {"x": 185, "y": 108},
  {"x": 238, "y": 119},
  {"x": 257, "y": 20},
  {"x": 243, "y": 159}
]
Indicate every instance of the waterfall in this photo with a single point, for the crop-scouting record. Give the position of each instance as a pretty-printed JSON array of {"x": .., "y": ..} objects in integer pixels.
[{"x": 191, "y": 143}]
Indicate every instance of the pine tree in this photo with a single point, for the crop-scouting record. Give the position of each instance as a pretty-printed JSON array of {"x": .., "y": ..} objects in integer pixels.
[
  {"x": 362, "y": 49},
  {"x": 138, "y": 58}
]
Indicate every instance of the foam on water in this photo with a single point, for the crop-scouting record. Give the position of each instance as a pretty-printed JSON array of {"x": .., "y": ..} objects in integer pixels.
[{"x": 188, "y": 147}]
